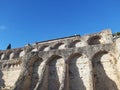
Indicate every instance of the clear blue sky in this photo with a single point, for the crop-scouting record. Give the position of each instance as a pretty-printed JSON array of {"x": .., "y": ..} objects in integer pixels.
[{"x": 28, "y": 21}]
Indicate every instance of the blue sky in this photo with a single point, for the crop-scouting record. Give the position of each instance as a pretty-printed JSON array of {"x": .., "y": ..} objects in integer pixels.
[{"x": 28, "y": 21}]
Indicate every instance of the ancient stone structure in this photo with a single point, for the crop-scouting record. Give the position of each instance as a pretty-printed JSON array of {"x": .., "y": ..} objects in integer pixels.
[{"x": 90, "y": 62}]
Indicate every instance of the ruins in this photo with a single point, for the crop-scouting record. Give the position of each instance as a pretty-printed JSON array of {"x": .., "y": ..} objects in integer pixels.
[{"x": 89, "y": 62}]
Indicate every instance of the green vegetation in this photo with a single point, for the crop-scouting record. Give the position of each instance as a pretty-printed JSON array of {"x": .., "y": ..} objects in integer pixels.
[{"x": 116, "y": 34}]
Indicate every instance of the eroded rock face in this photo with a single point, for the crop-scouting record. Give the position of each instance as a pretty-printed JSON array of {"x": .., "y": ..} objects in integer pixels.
[{"x": 90, "y": 62}]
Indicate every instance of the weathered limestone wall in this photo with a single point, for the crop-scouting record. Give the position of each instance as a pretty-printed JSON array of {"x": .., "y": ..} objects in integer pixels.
[
  {"x": 10, "y": 77},
  {"x": 118, "y": 53},
  {"x": 105, "y": 72},
  {"x": 90, "y": 62},
  {"x": 79, "y": 73},
  {"x": 10, "y": 71}
]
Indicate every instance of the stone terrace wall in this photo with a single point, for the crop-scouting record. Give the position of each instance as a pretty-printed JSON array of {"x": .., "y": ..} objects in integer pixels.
[{"x": 90, "y": 62}]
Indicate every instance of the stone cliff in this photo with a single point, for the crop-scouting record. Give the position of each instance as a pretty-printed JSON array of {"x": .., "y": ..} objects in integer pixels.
[{"x": 90, "y": 62}]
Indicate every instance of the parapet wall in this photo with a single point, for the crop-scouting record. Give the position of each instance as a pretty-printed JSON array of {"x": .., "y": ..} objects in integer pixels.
[
  {"x": 89, "y": 62},
  {"x": 103, "y": 37}
]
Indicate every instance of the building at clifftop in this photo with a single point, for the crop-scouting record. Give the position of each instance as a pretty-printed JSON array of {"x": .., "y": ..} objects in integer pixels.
[{"x": 90, "y": 62}]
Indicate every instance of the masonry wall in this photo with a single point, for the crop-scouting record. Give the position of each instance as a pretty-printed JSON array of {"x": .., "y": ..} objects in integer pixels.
[{"x": 89, "y": 62}]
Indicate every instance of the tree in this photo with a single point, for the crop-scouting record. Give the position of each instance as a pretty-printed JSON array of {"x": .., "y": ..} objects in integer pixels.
[
  {"x": 9, "y": 46},
  {"x": 116, "y": 34}
]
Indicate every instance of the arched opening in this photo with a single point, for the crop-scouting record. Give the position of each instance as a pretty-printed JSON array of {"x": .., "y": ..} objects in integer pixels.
[
  {"x": 78, "y": 66},
  {"x": 45, "y": 48},
  {"x": 76, "y": 43},
  {"x": 32, "y": 76},
  {"x": 36, "y": 72},
  {"x": 3, "y": 56},
  {"x": 28, "y": 78},
  {"x": 94, "y": 40},
  {"x": 53, "y": 76},
  {"x": 34, "y": 50},
  {"x": 15, "y": 54},
  {"x": 59, "y": 46},
  {"x": 11, "y": 56},
  {"x": 22, "y": 53},
  {"x": 2, "y": 82},
  {"x": 105, "y": 74}
]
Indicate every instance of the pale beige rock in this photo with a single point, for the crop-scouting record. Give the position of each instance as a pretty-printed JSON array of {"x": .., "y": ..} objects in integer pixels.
[{"x": 90, "y": 62}]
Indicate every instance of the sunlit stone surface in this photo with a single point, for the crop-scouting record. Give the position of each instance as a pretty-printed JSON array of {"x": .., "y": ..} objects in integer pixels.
[{"x": 90, "y": 62}]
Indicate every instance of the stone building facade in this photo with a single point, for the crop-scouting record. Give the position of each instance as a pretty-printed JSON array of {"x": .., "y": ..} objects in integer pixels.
[{"x": 90, "y": 62}]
